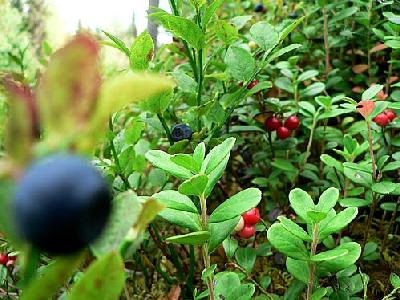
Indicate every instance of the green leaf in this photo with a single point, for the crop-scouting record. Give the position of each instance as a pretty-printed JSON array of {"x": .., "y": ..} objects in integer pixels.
[
  {"x": 278, "y": 53},
  {"x": 389, "y": 206},
  {"x": 185, "y": 83},
  {"x": 240, "y": 64},
  {"x": 118, "y": 43},
  {"x": 328, "y": 200},
  {"x": 157, "y": 104},
  {"x": 225, "y": 32},
  {"x": 316, "y": 216},
  {"x": 210, "y": 11},
  {"x": 331, "y": 162},
  {"x": 264, "y": 35},
  {"x": 52, "y": 279},
  {"x": 319, "y": 294},
  {"x": 392, "y": 17},
  {"x": 217, "y": 155},
  {"x": 215, "y": 175},
  {"x": 224, "y": 282},
  {"x": 340, "y": 263},
  {"x": 199, "y": 153},
  {"x": 142, "y": 51},
  {"x": 358, "y": 174},
  {"x": 181, "y": 27},
  {"x": 242, "y": 292},
  {"x": 338, "y": 222},
  {"x": 194, "y": 186},
  {"x": 313, "y": 89},
  {"x": 230, "y": 246},
  {"x": 307, "y": 75},
  {"x": 284, "y": 165},
  {"x": 371, "y": 92},
  {"x": 329, "y": 255},
  {"x": 353, "y": 202},
  {"x": 246, "y": 258},
  {"x": 286, "y": 242},
  {"x": 104, "y": 279},
  {"x": 207, "y": 273},
  {"x": 395, "y": 280},
  {"x": 344, "y": 14},
  {"x": 298, "y": 268},
  {"x": 175, "y": 200},
  {"x": 184, "y": 219},
  {"x": 125, "y": 213},
  {"x": 220, "y": 231},
  {"x": 236, "y": 205},
  {"x": 295, "y": 229},
  {"x": 301, "y": 203},
  {"x": 162, "y": 160},
  {"x": 392, "y": 166},
  {"x": 384, "y": 187},
  {"x": 193, "y": 238},
  {"x": 287, "y": 30}
]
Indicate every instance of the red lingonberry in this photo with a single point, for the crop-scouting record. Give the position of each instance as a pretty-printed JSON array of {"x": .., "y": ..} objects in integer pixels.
[
  {"x": 381, "y": 120},
  {"x": 253, "y": 84},
  {"x": 283, "y": 132},
  {"x": 3, "y": 259},
  {"x": 12, "y": 257},
  {"x": 272, "y": 124},
  {"x": 252, "y": 216},
  {"x": 248, "y": 231},
  {"x": 292, "y": 123},
  {"x": 390, "y": 114}
]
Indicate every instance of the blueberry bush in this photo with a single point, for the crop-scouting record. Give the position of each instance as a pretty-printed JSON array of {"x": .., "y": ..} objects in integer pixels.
[{"x": 257, "y": 156}]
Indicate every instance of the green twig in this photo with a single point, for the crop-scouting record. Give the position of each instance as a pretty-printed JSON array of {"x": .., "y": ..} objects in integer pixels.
[{"x": 166, "y": 128}]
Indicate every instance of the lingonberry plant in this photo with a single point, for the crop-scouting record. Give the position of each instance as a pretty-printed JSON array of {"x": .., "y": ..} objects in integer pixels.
[{"x": 262, "y": 164}]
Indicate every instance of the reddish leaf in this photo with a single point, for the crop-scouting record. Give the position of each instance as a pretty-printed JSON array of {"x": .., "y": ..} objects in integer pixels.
[
  {"x": 378, "y": 47},
  {"x": 365, "y": 108},
  {"x": 68, "y": 89},
  {"x": 358, "y": 69}
]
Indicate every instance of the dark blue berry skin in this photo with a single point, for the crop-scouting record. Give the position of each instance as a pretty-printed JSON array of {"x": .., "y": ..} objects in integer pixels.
[
  {"x": 259, "y": 8},
  {"x": 62, "y": 204},
  {"x": 293, "y": 15},
  {"x": 181, "y": 132}
]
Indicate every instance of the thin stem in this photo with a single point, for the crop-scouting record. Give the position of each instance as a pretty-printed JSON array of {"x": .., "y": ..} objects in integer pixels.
[
  {"x": 311, "y": 279},
  {"x": 166, "y": 128},
  {"x": 371, "y": 150},
  {"x": 200, "y": 84},
  {"x": 310, "y": 140},
  {"x": 206, "y": 255},
  {"x": 326, "y": 43}
]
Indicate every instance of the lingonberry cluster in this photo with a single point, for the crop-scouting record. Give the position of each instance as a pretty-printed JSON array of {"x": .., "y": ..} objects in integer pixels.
[
  {"x": 282, "y": 131},
  {"x": 246, "y": 228},
  {"x": 383, "y": 119},
  {"x": 251, "y": 84},
  {"x": 7, "y": 259}
]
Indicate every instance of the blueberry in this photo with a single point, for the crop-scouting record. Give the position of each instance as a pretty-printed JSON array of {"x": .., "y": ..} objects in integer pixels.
[
  {"x": 62, "y": 204},
  {"x": 259, "y": 7},
  {"x": 181, "y": 132},
  {"x": 293, "y": 15}
]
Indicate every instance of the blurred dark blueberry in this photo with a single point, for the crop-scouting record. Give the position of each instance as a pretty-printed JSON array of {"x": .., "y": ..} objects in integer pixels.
[
  {"x": 62, "y": 204},
  {"x": 259, "y": 8},
  {"x": 181, "y": 132},
  {"x": 247, "y": 156},
  {"x": 280, "y": 259},
  {"x": 293, "y": 15},
  {"x": 274, "y": 213}
]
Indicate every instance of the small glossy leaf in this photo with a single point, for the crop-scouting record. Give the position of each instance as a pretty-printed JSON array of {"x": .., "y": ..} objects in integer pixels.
[
  {"x": 240, "y": 63},
  {"x": 319, "y": 294},
  {"x": 236, "y": 205},
  {"x": 194, "y": 186},
  {"x": 301, "y": 202},
  {"x": 328, "y": 200},
  {"x": 220, "y": 231},
  {"x": 338, "y": 222},
  {"x": 182, "y": 218},
  {"x": 230, "y": 247},
  {"x": 193, "y": 238},
  {"x": 264, "y": 35},
  {"x": 246, "y": 258},
  {"x": 298, "y": 268},
  {"x": 217, "y": 155},
  {"x": 340, "y": 263},
  {"x": 372, "y": 91},
  {"x": 384, "y": 187},
  {"x": 295, "y": 229},
  {"x": 286, "y": 242},
  {"x": 162, "y": 160},
  {"x": 175, "y": 200},
  {"x": 329, "y": 255}
]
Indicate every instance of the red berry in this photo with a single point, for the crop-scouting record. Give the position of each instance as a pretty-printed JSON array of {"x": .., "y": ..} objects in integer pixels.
[
  {"x": 3, "y": 259},
  {"x": 252, "y": 216},
  {"x": 292, "y": 123},
  {"x": 248, "y": 231},
  {"x": 252, "y": 84},
  {"x": 390, "y": 114},
  {"x": 12, "y": 257},
  {"x": 283, "y": 133},
  {"x": 272, "y": 123},
  {"x": 381, "y": 120}
]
